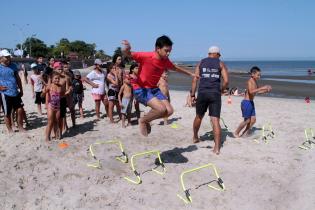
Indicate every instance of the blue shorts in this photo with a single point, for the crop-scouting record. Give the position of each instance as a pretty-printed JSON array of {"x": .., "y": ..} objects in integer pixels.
[
  {"x": 248, "y": 109},
  {"x": 144, "y": 95}
]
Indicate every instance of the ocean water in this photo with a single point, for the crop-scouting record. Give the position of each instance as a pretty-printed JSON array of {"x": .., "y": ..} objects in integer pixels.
[{"x": 269, "y": 68}]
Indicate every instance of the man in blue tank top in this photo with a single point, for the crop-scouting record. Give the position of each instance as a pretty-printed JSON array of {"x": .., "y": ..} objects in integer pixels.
[{"x": 210, "y": 70}]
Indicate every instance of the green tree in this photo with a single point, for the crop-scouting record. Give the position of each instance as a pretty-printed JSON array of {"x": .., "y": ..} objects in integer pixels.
[
  {"x": 35, "y": 47},
  {"x": 62, "y": 48}
]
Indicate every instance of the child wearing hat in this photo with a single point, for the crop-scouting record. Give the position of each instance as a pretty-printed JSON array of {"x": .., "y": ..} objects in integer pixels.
[{"x": 37, "y": 87}]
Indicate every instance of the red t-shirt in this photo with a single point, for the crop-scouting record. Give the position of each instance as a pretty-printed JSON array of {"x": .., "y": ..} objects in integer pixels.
[{"x": 150, "y": 69}]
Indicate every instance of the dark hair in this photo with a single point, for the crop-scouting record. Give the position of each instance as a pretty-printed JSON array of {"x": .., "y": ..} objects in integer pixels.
[
  {"x": 132, "y": 67},
  {"x": 115, "y": 57},
  {"x": 163, "y": 41},
  {"x": 109, "y": 67},
  {"x": 254, "y": 69}
]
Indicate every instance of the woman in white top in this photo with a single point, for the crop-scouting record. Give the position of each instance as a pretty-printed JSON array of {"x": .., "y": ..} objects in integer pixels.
[{"x": 96, "y": 79}]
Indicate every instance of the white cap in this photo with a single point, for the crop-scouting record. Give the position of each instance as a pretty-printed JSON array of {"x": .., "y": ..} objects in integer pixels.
[
  {"x": 98, "y": 61},
  {"x": 4, "y": 53},
  {"x": 33, "y": 65},
  {"x": 214, "y": 49}
]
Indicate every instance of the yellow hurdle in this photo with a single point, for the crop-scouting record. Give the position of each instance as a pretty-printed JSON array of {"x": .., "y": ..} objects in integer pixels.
[
  {"x": 266, "y": 134},
  {"x": 132, "y": 159},
  {"x": 309, "y": 136},
  {"x": 188, "y": 198},
  {"x": 98, "y": 163}
]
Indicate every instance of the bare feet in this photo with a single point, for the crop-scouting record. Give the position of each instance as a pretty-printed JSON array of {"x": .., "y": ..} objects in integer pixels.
[
  {"x": 143, "y": 128},
  {"x": 196, "y": 140},
  {"x": 216, "y": 151},
  {"x": 235, "y": 135}
]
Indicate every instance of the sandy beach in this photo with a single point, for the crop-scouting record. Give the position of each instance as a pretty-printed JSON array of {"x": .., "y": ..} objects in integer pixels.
[{"x": 274, "y": 176}]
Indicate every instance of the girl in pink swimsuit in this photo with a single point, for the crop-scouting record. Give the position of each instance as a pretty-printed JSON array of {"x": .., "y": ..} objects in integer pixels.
[{"x": 53, "y": 112}]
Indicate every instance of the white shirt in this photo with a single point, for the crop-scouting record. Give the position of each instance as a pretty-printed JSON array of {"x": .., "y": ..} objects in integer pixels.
[
  {"x": 99, "y": 79},
  {"x": 38, "y": 84}
]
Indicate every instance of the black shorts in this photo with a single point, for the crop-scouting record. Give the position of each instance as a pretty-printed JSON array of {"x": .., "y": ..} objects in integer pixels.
[
  {"x": 211, "y": 101},
  {"x": 112, "y": 95},
  {"x": 63, "y": 107},
  {"x": 38, "y": 98},
  {"x": 10, "y": 103}
]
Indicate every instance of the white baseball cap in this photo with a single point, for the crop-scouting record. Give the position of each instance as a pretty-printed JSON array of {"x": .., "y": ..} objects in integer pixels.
[
  {"x": 4, "y": 53},
  {"x": 214, "y": 49},
  {"x": 33, "y": 65},
  {"x": 98, "y": 61}
]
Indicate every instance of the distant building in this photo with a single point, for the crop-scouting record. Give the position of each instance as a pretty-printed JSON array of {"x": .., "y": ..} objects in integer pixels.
[{"x": 73, "y": 56}]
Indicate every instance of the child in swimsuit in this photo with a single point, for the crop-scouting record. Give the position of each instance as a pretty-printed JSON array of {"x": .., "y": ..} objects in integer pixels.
[
  {"x": 54, "y": 92},
  {"x": 113, "y": 90}
]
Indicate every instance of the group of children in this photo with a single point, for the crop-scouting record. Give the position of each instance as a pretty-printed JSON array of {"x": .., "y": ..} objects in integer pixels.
[{"x": 58, "y": 88}]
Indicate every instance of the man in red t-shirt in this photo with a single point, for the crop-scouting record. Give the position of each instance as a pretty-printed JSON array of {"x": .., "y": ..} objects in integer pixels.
[{"x": 145, "y": 89}]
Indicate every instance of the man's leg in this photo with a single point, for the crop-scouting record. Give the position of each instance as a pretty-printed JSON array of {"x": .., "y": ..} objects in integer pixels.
[
  {"x": 158, "y": 110},
  {"x": 196, "y": 126},
  {"x": 241, "y": 127},
  {"x": 250, "y": 125},
  {"x": 217, "y": 134}
]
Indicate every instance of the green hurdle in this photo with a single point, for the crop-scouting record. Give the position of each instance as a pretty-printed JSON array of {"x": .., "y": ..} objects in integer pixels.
[
  {"x": 133, "y": 166},
  {"x": 123, "y": 158},
  {"x": 188, "y": 198},
  {"x": 309, "y": 139},
  {"x": 266, "y": 134}
]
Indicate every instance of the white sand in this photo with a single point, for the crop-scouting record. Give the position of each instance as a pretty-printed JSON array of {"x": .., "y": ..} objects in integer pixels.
[{"x": 277, "y": 175}]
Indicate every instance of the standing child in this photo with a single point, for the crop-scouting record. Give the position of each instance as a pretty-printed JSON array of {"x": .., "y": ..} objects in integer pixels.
[
  {"x": 54, "y": 92},
  {"x": 37, "y": 88},
  {"x": 247, "y": 105},
  {"x": 163, "y": 85},
  {"x": 133, "y": 74},
  {"x": 78, "y": 94},
  {"x": 125, "y": 101},
  {"x": 113, "y": 89}
]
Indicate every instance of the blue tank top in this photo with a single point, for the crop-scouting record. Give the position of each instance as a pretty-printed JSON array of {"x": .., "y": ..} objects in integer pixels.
[{"x": 210, "y": 75}]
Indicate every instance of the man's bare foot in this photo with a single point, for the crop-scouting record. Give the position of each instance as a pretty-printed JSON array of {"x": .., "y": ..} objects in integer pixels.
[
  {"x": 22, "y": 130},
  {"x": 216, "y": 151},
  {"x": 235, "y": 135},
  {"x": 196, "y": 140},
  {"x": 143, "y": 128},
  {"x": 123, "y": 125},
  {"x": 47, "y": 139}
]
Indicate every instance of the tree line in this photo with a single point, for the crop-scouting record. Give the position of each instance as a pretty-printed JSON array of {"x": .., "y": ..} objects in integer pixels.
[{"x": 77, "y": 49}]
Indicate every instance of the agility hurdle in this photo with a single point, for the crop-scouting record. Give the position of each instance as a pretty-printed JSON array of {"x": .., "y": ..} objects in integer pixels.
[
  {"x": 266, "y": 134},
  {"x": 133, "y": 166},
  {"x": 123, "y": 158},
  {"x": 188, "y": 198},
  {"x": 309, "y": 139}
]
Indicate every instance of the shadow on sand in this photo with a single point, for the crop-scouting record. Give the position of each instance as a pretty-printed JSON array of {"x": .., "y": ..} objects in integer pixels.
[
  {"x": 208, "y": 136},
  {"x": 80, "y": 129},
  {"x": 175, "y": 155}
]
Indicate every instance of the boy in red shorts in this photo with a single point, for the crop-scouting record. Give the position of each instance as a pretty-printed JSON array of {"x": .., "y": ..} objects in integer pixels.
[{"x": 151, "y": 66}]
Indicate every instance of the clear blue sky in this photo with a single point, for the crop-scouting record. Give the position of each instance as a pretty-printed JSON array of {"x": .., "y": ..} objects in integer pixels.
[{"x": 243, "y": 29}]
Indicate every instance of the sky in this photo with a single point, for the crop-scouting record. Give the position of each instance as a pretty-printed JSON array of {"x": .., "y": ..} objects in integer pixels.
[{"x": 243, "y": 29}]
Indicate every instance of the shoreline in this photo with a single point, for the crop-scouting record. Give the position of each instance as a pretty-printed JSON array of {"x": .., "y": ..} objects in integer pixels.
[{"x": 280, "y": 89}]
